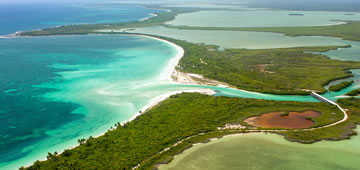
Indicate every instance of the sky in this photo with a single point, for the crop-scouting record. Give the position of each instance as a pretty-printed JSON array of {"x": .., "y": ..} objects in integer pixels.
[
  {"x": 170, "y": 1},
  {"x": 344, "y": 5}
]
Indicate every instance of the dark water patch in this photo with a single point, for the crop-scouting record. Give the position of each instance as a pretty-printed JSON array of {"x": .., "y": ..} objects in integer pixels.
[
  {"x": 30, "y": 16},
  {"x": 284, "y": 120}
]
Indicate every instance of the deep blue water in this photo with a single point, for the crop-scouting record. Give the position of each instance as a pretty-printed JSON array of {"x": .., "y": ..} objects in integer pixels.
[{"x": 22, "y": 17}]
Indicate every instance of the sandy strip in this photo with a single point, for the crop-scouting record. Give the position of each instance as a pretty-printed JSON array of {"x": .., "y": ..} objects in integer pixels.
[
  {"x": 170, "y": 68},
  {"x": 167, "y": 74},
  {"x": 147, "y": 18},
  {"x": 338, "y": 23},
  {"x": 171, "y": 74}
]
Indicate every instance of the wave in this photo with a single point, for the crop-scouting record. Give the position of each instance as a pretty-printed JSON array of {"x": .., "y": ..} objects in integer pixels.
[{"x": 146, "y": 18}]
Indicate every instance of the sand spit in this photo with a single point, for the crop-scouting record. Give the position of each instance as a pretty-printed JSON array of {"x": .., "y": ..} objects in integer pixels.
[{"x": 191, "y": 78}]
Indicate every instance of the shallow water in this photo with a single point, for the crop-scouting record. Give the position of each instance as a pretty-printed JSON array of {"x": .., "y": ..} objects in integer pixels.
[
  {"x": 262, "y": 18},
  {"x": 255, "y": 40},
  {"x": 268, "y": 151},
  {"x": 57, "y": 89}
]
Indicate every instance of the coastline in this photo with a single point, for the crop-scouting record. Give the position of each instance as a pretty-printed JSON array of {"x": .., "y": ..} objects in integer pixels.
[
  {"x": 227, "y": 136},
  {"x": 147, "y": 18},
  {"x": 166, "y": 75},
  {"x": 173, "y": 75},
  {"x": 197, "y": 79},
  {"x": 13, "y": 35}
]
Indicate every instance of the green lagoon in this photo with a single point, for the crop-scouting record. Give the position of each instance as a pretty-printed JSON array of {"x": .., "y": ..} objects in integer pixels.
[
  {"x": 268, "y": 151},
  {"x": 261, "y": 18},
  {"x": 257, "y": 40}
]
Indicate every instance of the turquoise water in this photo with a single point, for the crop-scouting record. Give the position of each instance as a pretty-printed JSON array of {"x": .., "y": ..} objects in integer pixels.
[
  {"x": 29, "y": 16},
  {"x": 57, "y": 89},
  {"x": 262, "y": 18}
]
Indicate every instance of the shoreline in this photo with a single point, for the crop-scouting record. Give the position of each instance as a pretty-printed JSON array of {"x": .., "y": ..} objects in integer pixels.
[
  {"x": 222, "y": 137},
  {"x": 13, "y": 35},
  {"x": 173, "y": 75},
  {"x": 166, "y": 74},
  {"x": 151, "y": 15},
  {"x": 178, "y": 77}
]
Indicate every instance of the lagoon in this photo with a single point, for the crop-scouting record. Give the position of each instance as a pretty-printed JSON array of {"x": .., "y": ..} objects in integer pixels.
[
  {"x": 268, "y": 151},
  {"x": 257, "y": 40},
  {"x": 262, "y": 18}
]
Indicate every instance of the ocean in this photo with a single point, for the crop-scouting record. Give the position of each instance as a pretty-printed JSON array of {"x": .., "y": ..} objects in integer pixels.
[
  {"x": 56, "y": 89},
  {"x": 24, "y": 17}
]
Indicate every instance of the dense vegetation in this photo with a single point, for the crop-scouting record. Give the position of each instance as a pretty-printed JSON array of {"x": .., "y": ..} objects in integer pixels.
[
  {"x": 349, "y": 31},
  {"x": 341, "y": 86},
  {"x": 174, "y": 119},
  {"x": 276, "y": 71},
  {"x": 353, "y": 92}
]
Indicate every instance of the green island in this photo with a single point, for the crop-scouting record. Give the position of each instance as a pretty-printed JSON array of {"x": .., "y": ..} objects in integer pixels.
[
  {"x": 353, "y": 92},
  {"x": 191, "y": 118},
  {"x": 341, "y": 86}
]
